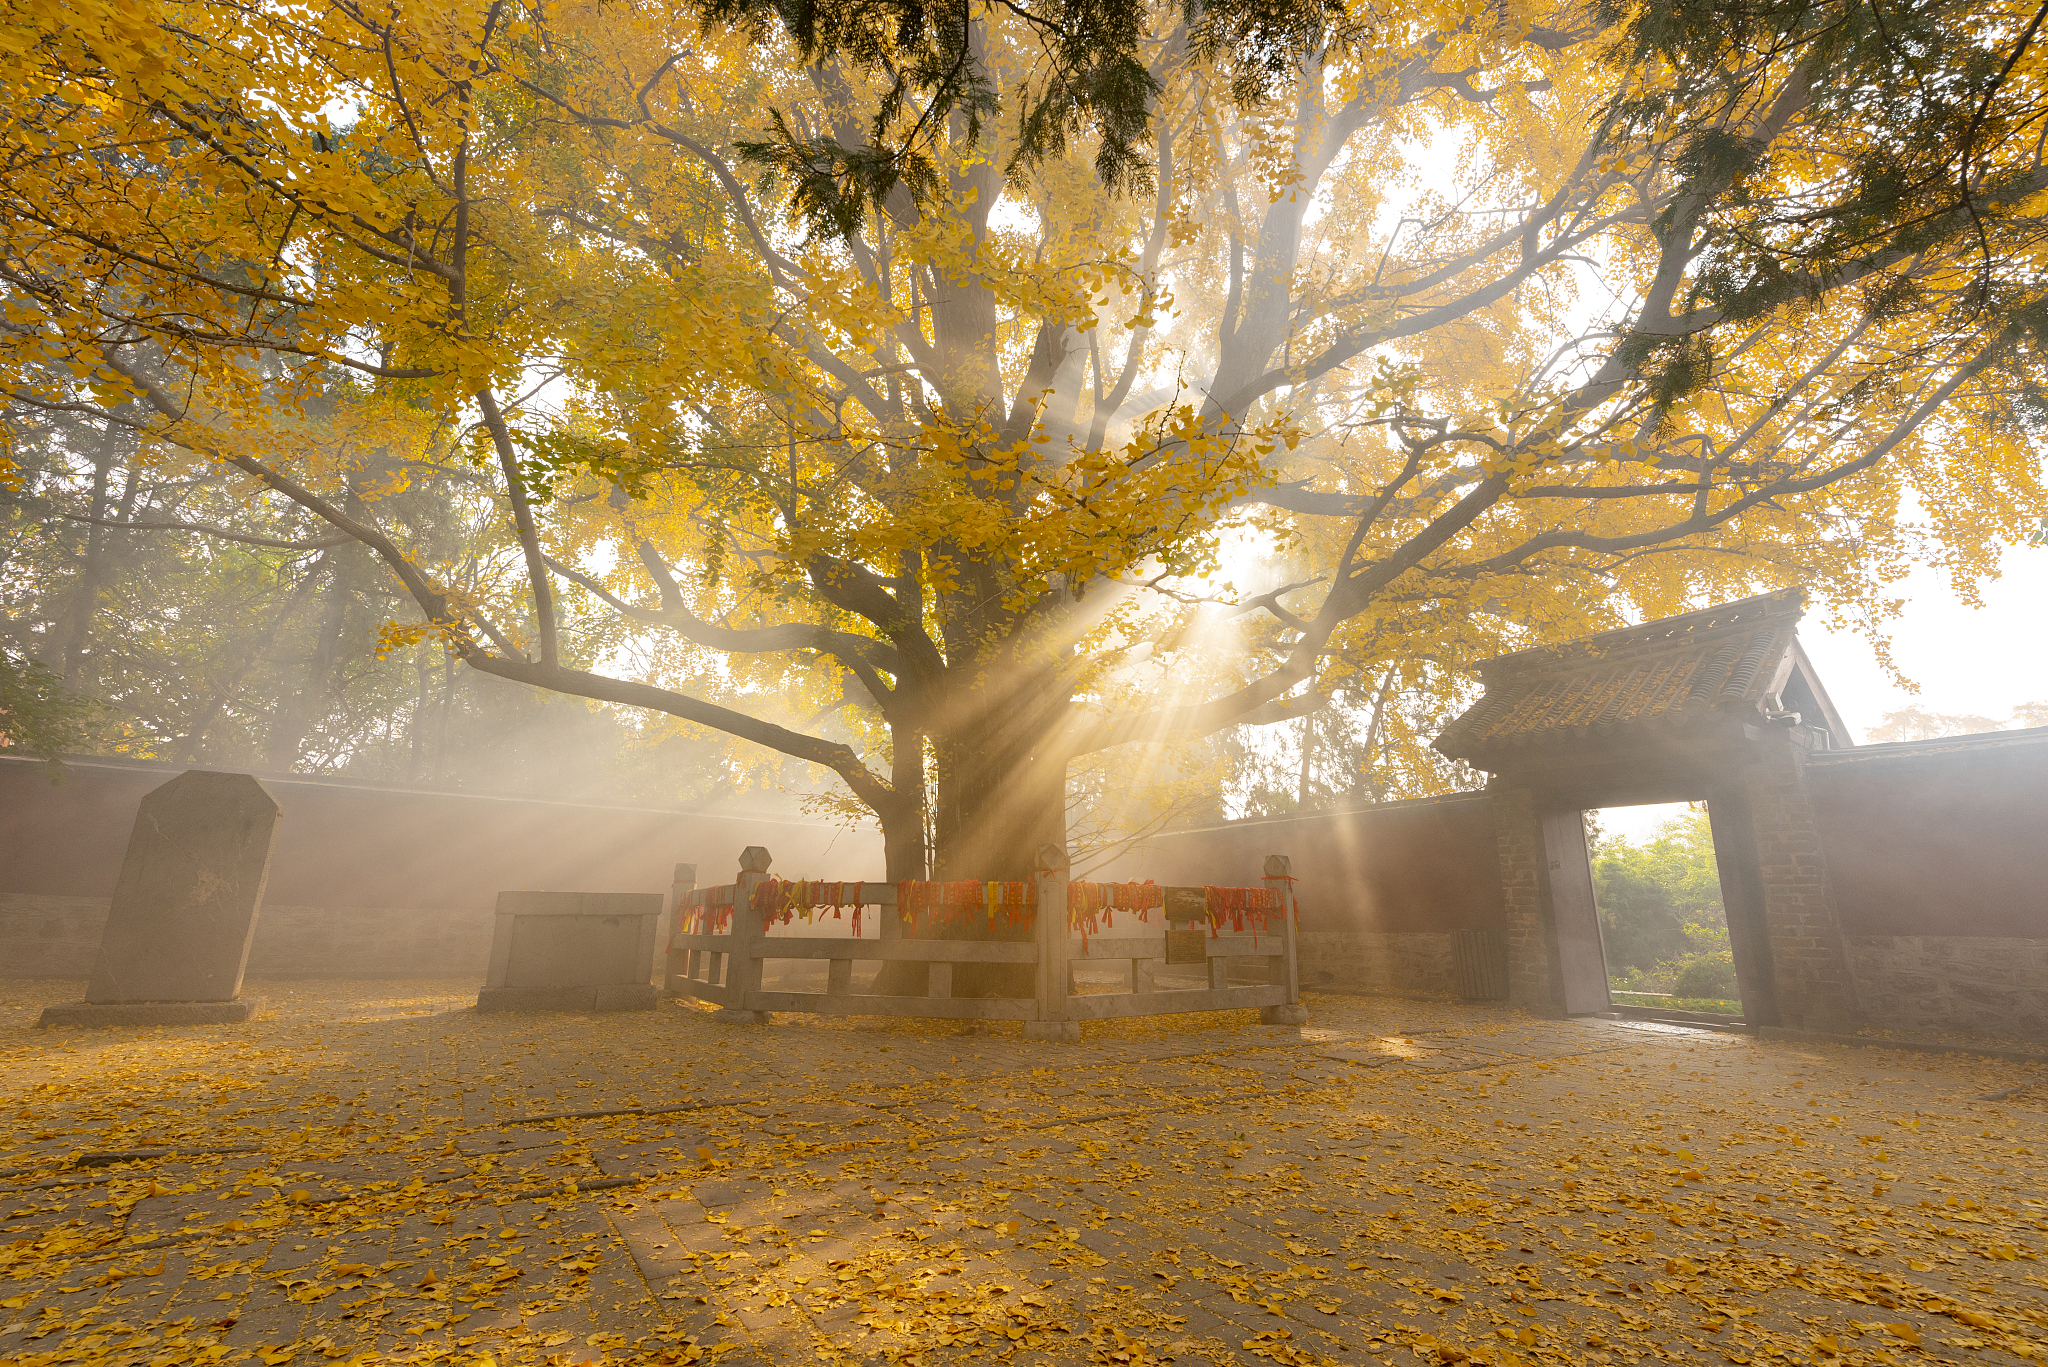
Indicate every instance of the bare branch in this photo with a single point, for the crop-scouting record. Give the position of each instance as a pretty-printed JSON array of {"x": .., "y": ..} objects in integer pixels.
[
  {"x": 522, "y": 519},
  {"x": 840, "y": 759},
  {"x": 845, "y": 646},
  {"x": 1270, "y": 601}
]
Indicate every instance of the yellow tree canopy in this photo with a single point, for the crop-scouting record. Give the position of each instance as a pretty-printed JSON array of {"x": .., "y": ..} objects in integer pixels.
[{"x": 1482, "y": 324}]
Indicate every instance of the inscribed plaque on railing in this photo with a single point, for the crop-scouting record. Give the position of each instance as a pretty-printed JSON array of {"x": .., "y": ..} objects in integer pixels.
[
  {"x": 1187, "y": 946},
  {"x": 1186, "y": 904}
]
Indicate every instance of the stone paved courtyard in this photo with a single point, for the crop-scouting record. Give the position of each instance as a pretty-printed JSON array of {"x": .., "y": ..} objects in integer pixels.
[{"x": 395, "y": 1180}]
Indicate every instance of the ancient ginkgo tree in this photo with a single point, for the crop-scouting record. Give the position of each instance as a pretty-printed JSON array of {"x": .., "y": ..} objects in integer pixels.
[{"x": 1490, "y": 320}]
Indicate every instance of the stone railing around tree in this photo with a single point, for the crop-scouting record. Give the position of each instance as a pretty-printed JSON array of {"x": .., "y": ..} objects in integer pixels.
[{"x": 724, "y": 935}]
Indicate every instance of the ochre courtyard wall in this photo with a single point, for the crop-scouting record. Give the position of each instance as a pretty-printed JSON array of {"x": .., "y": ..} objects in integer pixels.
[
  {"x": 1934, "y": 856},
  {"x": 1938, "y": 856},
  {"x": 366, "y": 881},
  {"x": 1934, "y": 853},
  {"x": 1384, "y": 890}
]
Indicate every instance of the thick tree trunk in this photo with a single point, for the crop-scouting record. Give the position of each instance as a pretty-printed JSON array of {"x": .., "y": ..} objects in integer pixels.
[
  {"x": 903, "y": 825},
  {"x": 994, "y": 810},
  {"x": 904, "y": 846}
]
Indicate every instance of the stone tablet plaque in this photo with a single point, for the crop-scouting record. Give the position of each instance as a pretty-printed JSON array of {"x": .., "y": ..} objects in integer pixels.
[
  {"x": 185, "y": 907},
  {"x": 1187, "y": 935},
  {"x": 1187, "y": 946}
]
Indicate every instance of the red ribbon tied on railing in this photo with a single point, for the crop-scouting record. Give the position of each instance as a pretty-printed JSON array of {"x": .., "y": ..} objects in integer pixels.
[
  {"x": 778, "y": 901},
  {"x": 1091, "y": 907},
  {"x": 1086, "y": 901},
  {"x": 1238, "y": 905},
  {"x": 703, "y": 919},
  {"x": 964, "y": 902}
]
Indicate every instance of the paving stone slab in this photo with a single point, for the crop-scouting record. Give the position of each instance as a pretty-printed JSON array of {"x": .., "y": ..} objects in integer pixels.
[
  {"x": 711, "y": 1195},
  {"x": 510, "y": 1141}
]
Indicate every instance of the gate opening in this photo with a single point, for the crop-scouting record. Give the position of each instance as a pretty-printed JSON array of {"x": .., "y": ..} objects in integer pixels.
[{"x": 1663, "y": 927}]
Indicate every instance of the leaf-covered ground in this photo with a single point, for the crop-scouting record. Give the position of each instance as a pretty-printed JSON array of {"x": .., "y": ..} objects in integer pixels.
[{"x": 1397, "y": 1182}]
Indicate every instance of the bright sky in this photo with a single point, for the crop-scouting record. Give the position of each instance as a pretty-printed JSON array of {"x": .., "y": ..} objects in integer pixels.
[
  {"x": 1983, "y": 661},
  {"x": 1638, "y": 825}
]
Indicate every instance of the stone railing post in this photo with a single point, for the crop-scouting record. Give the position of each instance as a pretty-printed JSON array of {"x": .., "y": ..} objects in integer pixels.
[
  {"x": 1291, "y": 1012},
  {"x": 680, "y": 963},
  {"x": 1049, "y": 888},
  {"x": 743, "y": 967}
]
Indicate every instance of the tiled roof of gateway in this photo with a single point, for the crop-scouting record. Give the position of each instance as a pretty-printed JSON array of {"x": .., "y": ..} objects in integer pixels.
[{"x": 1660, "y": 674}]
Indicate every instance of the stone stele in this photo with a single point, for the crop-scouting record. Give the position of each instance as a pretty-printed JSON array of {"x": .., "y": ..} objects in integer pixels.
[
  {"x": 184, "y": 912},
  {"x": 573, "y": 951}
]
